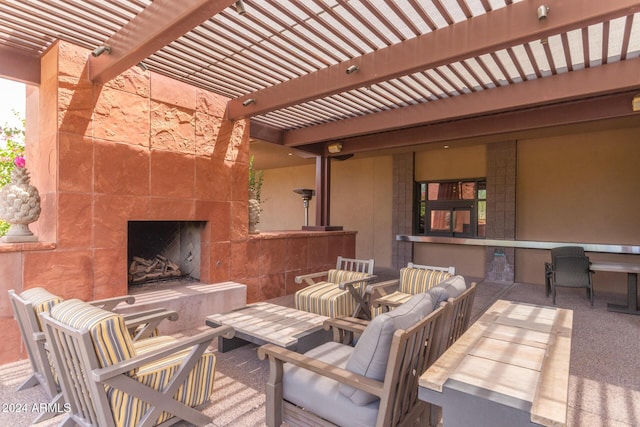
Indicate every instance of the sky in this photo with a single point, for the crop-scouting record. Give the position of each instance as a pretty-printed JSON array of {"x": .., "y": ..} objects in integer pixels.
[{"x": 11, "y": 98}]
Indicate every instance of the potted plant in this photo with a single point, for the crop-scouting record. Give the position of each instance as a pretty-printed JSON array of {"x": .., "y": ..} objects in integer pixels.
[{"x": 255, "y": 187}]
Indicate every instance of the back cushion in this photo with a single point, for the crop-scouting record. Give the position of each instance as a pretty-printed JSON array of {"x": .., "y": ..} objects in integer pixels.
[
  {"x": 419, "y": 280},
  {"x": 449, "y": 288},
  {"x": 42, "y": 301},
  {"x": 371, "y": 353},
  {"x": 341, "y": 276},
  {"x": 109, "y": 334}
]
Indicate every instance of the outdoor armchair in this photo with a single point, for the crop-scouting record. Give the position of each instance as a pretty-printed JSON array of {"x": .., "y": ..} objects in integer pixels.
[
  {"x": 27, "y": 307},
  {"x": 414, "y": 279},
  {"x": 337, "y": 292},
  {"x": 573, "y": 272},
  {"x": 109, "y": 380},
  {"x": 373, "y": 383},
  {"x": 555, "y": 252}
]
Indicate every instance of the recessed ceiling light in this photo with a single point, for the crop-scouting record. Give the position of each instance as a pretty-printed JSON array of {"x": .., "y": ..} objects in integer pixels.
[{"x": 446, "y": 146}]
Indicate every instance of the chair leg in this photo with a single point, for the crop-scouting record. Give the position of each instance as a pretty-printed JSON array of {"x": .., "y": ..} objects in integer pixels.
[
  {"x": 32, "y": 381},
  {"x": 553, "y": 294}
]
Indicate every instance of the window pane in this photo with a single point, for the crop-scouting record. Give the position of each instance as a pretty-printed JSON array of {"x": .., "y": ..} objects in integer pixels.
[
  {"x": 421, "y": 219},
  {"x": 440, "y": 220},
  {"x": 482, "y": 218},
  {"x": 423, "y": 191},
  {"x": 462, "y": 221},
  {"x": 467, "y": 190}
]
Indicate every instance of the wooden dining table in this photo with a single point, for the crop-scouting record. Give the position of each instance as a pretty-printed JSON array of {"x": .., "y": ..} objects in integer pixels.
[{"x": 632, "y": 270}]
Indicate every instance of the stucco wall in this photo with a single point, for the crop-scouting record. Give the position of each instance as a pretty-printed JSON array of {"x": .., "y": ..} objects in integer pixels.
[{"x": 580, "y": 187}]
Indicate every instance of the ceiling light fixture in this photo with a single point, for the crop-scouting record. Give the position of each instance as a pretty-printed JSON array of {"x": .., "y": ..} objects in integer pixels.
[
  {"x": 240, "y": 7},
  {"x": 248, "y": 102},
  {"x": 100, "y": 50},
  {"x": 542, "y": 12},
  {"x": 352, "y": 69},
  {"x": 635, "y": 103},
  {"x": 334, "y": 148}
]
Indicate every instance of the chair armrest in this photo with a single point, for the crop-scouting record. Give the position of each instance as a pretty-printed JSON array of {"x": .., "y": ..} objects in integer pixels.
[
  {"x": 279, "y": 355},
  {"x": 103, "y": 374},
  {"x": 380, "y": 289},
  {"x": 308, "y": 278},
  {"x": 110, "y": 303},
  {"x": 344, "y": 328},
  {"x": 149, "y": 320}
]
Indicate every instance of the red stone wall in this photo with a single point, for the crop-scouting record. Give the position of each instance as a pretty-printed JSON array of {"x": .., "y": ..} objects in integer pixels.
[{"x": 141, "y": 147}]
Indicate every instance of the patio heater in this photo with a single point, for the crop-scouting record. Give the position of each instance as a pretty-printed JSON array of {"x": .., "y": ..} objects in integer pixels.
[{"x": 306, "y": 195}]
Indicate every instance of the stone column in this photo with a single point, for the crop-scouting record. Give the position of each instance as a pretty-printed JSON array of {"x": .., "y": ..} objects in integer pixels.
[
  {"x": 402, "y": 209},
  {"x": 501, "y": 209}
]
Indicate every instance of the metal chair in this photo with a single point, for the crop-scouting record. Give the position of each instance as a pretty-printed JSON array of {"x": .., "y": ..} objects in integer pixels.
[
  {"x": 573, "y": 272},
  {"x": 559, "y": 251}
]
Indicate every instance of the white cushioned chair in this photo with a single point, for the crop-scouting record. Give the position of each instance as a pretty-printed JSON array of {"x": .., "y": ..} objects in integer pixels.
[
  {"x": 373, "y": 383},
  {"x": 108, "y": 380}
]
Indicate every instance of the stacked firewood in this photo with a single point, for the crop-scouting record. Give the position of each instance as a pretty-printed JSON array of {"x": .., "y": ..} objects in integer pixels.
[{"x": 160, "y": 267}]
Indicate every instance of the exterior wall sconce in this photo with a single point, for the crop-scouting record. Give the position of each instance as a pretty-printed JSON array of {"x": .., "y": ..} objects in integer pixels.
[
  {"x": 635, "y": 103},
  {"x": 248, "y": 102},
  {"x": 100, "y": 50},
  {"x": 542, "y": 12},
  {"x": 352, "y": 69},
  {"x": 334, "y": 148},
  {"x": 240, "y": 7}
]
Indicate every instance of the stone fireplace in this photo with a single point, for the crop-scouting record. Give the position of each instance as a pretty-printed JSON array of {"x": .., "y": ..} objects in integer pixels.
[{"x": 143, "y": 148}]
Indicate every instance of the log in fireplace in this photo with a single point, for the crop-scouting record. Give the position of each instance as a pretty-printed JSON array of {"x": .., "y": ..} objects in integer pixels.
[{"x": 161, "y": 250}]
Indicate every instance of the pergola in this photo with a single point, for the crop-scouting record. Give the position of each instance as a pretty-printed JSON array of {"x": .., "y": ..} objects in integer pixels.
[{"x": 369, "y": 75}]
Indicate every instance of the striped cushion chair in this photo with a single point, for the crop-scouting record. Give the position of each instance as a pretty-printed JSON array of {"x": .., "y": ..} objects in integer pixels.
[
  {"x": 414, "y": 279},
  {"x": 109, "y": 380},
  {"x": 340, "y": 295}
]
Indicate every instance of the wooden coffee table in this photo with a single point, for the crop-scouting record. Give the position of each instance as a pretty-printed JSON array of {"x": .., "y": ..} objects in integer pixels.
[{"x": 263, "y": 323}]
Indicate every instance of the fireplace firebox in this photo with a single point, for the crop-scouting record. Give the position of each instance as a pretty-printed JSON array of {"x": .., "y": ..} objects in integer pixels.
[{"x": 161, "y": 251}]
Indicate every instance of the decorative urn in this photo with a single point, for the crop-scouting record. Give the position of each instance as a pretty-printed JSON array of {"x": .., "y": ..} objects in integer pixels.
[{"x": 19, "y": 204}]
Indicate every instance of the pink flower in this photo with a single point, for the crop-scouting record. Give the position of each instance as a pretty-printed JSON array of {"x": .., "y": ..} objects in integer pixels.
[{"x": 19, "y": 161}]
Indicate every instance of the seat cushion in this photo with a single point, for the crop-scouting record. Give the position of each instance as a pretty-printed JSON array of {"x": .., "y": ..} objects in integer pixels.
[
  {"x": 371, "y": 353},
  {"x": 420, "y": 280},
  {"x": 326, "y": 299},
  {"x": 194, "y": 391},
  {"x": 320, "y": 395}
]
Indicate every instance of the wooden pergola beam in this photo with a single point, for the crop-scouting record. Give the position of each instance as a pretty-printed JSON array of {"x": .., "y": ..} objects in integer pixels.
[
  {"x": 466, "y": 39},
  {"x": 160, "y": 23},
  {"x": 606, "y": 79},
  {"x": 19, "y": 66}
]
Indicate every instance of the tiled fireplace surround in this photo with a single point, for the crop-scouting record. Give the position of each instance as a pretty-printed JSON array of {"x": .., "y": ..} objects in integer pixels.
[{"x": 141, "y": 147}]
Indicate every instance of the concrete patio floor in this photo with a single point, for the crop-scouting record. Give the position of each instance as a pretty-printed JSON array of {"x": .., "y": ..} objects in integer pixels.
[{"x": 604, "y": 385}]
